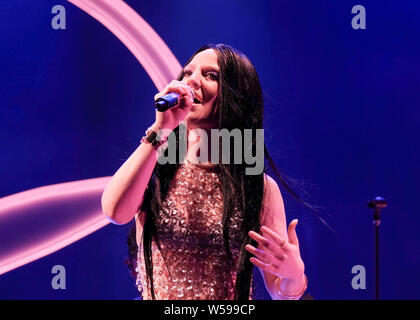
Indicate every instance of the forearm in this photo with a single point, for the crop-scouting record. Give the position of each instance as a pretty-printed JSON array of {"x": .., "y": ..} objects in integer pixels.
[{"x": 124, "y": 194}]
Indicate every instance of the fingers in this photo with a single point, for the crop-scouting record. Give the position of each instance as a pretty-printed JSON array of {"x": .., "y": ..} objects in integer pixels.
[
  {"x": 269, "y": 233},
  {"x": 275, "y": 238},
  {"x": 262, "y": 240},
  {"x": 186, "y": 101},
  {"x": 274, "y": 250},
  {"x": 291, "y": 230},
  {"x": 262, "y": 265},
  {"x": 177, "y": 87},
  {"x": 264, "y": 256}
]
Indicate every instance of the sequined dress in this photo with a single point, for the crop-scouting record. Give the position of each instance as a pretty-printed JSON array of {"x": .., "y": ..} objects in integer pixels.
[{"x": 192, "y": 264}]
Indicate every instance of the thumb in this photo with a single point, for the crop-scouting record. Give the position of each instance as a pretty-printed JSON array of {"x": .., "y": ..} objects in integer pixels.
[{"x": 291, "y": 232}]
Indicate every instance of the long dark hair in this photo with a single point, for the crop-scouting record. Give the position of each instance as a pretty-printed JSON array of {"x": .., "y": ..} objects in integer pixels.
[{"x": 240, "y": 106}]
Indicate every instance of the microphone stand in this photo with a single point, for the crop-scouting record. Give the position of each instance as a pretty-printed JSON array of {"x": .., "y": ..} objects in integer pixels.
[{"x": 377, "y": 205}]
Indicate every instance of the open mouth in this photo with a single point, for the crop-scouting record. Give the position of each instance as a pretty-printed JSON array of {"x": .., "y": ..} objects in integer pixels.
[{"x": 197, "y": 101}]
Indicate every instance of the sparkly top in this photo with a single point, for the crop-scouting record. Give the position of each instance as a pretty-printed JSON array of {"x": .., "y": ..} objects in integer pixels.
[{"x": 192, "y": 264}]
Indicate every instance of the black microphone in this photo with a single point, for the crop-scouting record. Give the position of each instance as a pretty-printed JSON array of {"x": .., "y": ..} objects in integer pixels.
[{"x": 377, "y": 203}]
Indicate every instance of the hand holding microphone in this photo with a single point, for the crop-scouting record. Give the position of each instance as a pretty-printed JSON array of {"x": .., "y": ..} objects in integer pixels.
[
  {"x": 172, "y": 104},
  {"x": 170, "y": 99}
]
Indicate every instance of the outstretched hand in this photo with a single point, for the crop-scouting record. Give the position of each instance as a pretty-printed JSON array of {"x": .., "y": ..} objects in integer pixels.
[{"x": 276, "y": 255}]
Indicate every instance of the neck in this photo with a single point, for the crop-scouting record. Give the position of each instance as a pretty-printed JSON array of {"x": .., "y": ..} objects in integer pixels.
[{"x": 198, "y": 145}]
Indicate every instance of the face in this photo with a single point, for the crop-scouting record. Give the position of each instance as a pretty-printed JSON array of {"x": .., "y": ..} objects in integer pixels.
[{"x": 202, "y": 75}]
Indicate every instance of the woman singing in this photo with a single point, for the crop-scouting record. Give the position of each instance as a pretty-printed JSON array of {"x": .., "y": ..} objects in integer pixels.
[{"x": 201, "y": 226}]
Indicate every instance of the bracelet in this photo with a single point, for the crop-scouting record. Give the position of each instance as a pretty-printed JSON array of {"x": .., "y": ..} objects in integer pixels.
[
  {"x": 294, "y": 296},
  {"x": 151, "y": 137}
]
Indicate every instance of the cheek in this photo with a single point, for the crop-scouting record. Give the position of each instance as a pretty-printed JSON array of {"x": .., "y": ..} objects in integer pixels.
[
  {"x": 216, "y": 90},
  {"x": 213, "y": 93},
  {"x": 212, "y": 89}
]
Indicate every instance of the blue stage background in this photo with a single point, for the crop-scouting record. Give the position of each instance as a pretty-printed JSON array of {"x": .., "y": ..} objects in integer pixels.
[{"x": 342, "y": 113}]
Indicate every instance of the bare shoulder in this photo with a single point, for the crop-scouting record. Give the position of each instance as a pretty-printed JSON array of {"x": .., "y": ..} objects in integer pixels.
[{"x": 273, "y": 213}]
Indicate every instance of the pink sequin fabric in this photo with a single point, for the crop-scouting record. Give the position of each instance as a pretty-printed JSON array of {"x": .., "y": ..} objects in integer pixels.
[{"x": 192, "y": 264}]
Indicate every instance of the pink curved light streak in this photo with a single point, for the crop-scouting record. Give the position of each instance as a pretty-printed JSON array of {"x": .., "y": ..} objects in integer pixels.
[
  {"x": 61, "y": 214},
  {"x": 137, "y": 35},
  {"x": 40, "y": 221}
]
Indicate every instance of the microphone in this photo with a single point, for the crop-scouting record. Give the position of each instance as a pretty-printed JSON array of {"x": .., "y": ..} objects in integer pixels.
[
  {"x": 167, "y": 101},
  {"x": 170, "y": 100},
  {"x": 377, "y": 203}
]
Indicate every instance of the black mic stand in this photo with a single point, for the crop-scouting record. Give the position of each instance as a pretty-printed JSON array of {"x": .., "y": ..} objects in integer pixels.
[{"x": 377, "y": 205}]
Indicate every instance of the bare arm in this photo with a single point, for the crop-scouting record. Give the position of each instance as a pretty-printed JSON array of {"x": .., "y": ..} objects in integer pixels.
[
  {"x": 288, "y": 273},
  {"x": 125, "y": 192}
]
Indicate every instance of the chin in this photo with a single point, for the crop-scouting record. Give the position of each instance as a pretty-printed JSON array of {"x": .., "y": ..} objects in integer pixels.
[{"x": 199, "y": 117}]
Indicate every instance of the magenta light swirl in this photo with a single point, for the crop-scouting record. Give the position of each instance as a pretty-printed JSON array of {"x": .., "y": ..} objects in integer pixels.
[
  {"x": 38, "y": 222},
  {"x": 145, "y": 44}
]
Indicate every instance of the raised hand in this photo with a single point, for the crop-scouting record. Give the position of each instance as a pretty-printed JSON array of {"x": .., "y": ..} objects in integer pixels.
[{"x": 276, "y": 255}]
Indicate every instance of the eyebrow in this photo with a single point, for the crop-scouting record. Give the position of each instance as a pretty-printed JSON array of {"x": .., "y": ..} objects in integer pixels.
[{"x": 204, "y": 67}]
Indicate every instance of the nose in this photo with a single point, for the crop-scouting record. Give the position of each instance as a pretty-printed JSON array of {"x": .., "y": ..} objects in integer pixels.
[{"x": 193, "y": 82}]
